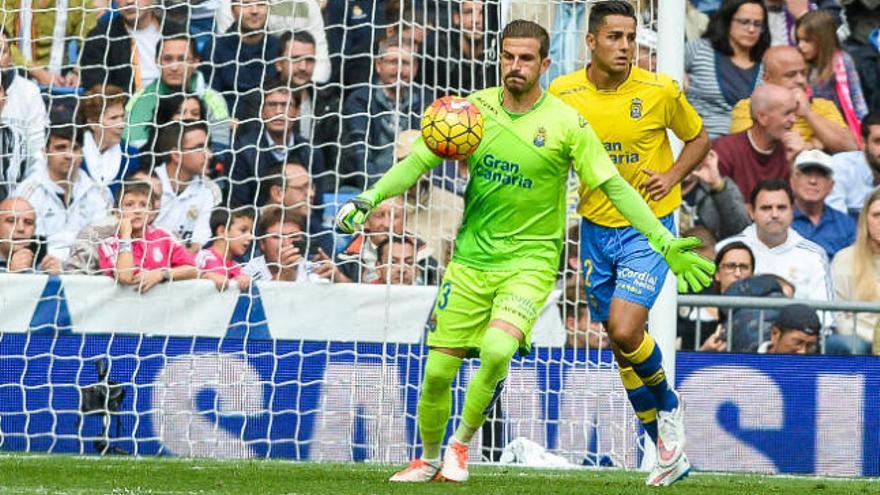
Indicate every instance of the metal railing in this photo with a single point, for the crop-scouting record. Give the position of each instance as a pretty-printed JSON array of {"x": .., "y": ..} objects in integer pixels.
[{"x": 729, "y": 304}]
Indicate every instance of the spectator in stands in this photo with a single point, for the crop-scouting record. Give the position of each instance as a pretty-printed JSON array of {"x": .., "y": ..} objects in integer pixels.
[
  {"x": 282, "y": 241},
  {"x": 23, "y": 108},
  {"x": 64, "y": 197},
  {"x": 767, "y": 148},
  {"x": 396, "y": 261},
  {"x": 473, "y": 63},
  {"x": 43, "y": 30},
  {"x": 778, "y": 248},
  {"x": 286, "y": 16},
  {"x": 106, "y": 159},
  {"x": 580, "y": 332},
  {"x": 290, "y": 186},
  {"x": 857, "y": 173},
  {"x": 734, "y": 262},
  {"x": 20, "y": 248},
  {"x": 782, "y": 16},
  {"x": 833, "y": 74},
  {"x": 140, "y": 253},
  {"x": 240, "y": 61},
  {"x": 319, "y": 107},
  {"x": 723, "y": 66},
  {"x": 744, "y": 329},
  {"x": 177, "y": 59},
  {"x": 350, "y": 35},
  {"x": 818, "y": 121},
  {"x": 84, "y": 256},
  {"x": 272, "y": 142},
  {"x": 856, "y": 274},
  {"x": 173, "y": 108},
  {"x": 796, "y": 331},
  {"x": 646, "y": 42},
  {"x": 232, "y": 233},
  {"x": 358, "y": 258},
  {"x": 372, "y": 117},
  {"x": 811, "y": 181},
  {"x": 17, "y": 153},
  {"x": 713, "y": 201},
  {"x": 188, "y": 197},
  {"x": 121, "y": 49}
]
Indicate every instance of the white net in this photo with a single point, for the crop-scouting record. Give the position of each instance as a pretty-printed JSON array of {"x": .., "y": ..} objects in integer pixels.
[{"x": 313, "y": 347}]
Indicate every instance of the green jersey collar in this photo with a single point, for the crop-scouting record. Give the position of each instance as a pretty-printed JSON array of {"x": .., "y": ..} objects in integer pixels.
[{"x": 514, "y": 116}]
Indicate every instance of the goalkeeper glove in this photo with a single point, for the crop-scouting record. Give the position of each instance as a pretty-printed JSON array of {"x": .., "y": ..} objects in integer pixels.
[
  {"x": 692, "y": 270},
  {"x": 353, "y": 213}
]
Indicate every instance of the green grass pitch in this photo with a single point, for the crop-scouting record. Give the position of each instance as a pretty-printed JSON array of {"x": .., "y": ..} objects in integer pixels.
[{"x": 57, "y": 474}]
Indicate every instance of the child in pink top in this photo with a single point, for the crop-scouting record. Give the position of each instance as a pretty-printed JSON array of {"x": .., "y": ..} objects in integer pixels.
[
  {"x": 141, "y": 254},
  {"x": 232, "y": 236}
]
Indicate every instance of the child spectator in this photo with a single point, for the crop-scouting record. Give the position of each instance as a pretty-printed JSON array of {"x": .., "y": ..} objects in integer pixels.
[
  {"x": 833, "y": 74},
  {"x": 139, "y": 253},
  {"x": 233, "y": 233}
]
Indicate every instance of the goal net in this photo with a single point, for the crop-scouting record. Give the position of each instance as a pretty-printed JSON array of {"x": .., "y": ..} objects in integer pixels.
[{"x": 298, "y": 105}]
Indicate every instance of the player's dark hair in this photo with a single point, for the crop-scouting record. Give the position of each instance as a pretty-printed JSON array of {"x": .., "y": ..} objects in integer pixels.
[
  {"x": 873, "y": 118},
  {"x": 521, "y": 28},
  {"x": 601, "y": 10},
  {"x": 718, "y": 31},
  {"x": 224, "y": 217},
  {"x": 733, "y": 246},
  {"x": 772, "y": 185}
]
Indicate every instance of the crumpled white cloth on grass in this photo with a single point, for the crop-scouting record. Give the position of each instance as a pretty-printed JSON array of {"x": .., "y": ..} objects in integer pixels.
[{"x": 523, "y": 451}]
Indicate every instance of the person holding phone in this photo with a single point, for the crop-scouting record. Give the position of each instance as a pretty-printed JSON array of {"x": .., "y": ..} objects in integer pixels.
[{"x": 285, "y": 255}]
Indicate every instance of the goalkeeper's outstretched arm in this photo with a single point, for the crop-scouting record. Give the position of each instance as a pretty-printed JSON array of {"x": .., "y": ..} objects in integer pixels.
[{"x": 402, "y": 176}]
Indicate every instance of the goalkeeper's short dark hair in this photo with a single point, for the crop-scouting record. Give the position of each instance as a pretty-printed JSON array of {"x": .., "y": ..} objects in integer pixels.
[
  {"x": 224, "y": 217},
  {"x": 601, "y": 10},
  {"x": 521, "y": 28}
]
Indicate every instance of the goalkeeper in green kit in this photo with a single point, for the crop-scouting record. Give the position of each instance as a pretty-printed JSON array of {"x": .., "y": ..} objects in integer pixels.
[{"x": 508, "y": 247}]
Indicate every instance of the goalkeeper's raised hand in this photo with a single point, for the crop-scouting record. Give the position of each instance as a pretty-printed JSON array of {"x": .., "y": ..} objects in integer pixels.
[
  {"x": 692, "y": 270},
  {"x": 353, "y": 213}
]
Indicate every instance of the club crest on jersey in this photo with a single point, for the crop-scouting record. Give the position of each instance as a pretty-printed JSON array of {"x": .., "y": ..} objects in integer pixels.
[
  {"x": 540, "y": 137},
  {"x": 635, "y": 108}
]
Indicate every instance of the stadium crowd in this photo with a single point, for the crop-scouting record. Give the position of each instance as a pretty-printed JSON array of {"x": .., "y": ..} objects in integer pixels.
[{"x": 153, "y": 140}]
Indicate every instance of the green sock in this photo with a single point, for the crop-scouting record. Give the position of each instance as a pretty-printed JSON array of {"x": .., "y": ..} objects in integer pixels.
[
  {"x": 496, "y": 351},
  {"x": 435, "y": 403}
]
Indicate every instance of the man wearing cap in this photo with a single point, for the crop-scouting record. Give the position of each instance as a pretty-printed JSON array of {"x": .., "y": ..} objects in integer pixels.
[
  {"x": 811, "y": 181},
  {"x": 796, "y": 331}
]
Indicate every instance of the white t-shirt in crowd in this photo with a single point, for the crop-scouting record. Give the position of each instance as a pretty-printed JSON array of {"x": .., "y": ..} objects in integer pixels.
[{"x": 146, "y": 40}]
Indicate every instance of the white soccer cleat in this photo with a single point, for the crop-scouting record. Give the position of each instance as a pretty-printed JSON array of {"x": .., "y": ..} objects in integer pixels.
[
  {"x": 455, "y": 462},
  {"x": 666, "y": 476},
  {"x": 670, "y": 435},
  {"x": 418, "y": 471}
]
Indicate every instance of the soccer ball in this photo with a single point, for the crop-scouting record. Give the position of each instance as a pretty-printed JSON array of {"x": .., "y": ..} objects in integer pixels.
[{"x": 452, "y": 127}]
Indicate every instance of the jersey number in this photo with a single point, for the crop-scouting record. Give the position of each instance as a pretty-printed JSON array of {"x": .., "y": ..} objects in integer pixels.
[{"x": 443, "y": 300}]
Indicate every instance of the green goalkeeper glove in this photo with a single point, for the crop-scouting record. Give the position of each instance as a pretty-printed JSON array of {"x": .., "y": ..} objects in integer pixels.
[
  {"x": 353, "y": 213},
  {"x": 692, "y": 270}
]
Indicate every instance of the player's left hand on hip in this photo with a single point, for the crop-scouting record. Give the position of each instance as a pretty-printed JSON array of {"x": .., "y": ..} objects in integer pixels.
[
  {"x": 693, "y": 271},
  {"x": 352, "y": 214},
  {"x": 658, "y": 184}
]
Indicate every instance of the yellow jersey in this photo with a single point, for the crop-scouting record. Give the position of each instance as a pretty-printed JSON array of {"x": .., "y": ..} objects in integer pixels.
[{"x": 631, "y": 122}]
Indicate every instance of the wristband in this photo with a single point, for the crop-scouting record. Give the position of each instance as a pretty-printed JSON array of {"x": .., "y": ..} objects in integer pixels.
[{"x": 124, "y": 246}]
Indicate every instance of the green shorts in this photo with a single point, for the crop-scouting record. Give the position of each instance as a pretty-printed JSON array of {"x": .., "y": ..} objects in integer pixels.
[{"x": 470, "y": 298}]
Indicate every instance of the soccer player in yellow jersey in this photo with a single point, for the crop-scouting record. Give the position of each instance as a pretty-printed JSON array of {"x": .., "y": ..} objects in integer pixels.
[{"x": 630, "y": 109}]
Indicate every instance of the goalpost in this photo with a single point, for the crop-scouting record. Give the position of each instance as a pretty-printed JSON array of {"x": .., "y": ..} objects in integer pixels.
[{"x": 90, "y": 367}]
